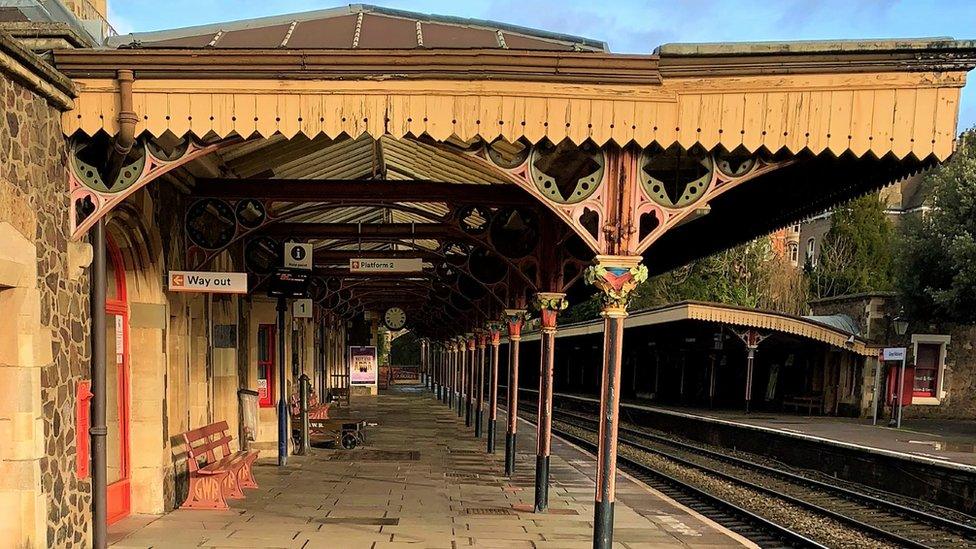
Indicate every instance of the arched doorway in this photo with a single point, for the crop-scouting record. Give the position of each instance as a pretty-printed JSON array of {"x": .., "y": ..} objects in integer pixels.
[{"x": 117, "y": 385}]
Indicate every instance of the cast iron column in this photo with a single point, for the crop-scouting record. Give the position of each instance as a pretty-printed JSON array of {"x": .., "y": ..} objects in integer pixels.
[
  {"x": 479, "y": 410},
  {"x": 752, "y": 339},
  {"x": 495, "y": 335},
  {"x": 282, "y": 397},
  {"x": 515, "y": 318},
  {"x": 468, "y": 345},
  {"x": 98, "y": 431},
  {"x": 549, "y": 304},
  {"x": 616, "y": 277},
  {"x": 304, "y": 385},
  {"x": 459, "y": 360}
]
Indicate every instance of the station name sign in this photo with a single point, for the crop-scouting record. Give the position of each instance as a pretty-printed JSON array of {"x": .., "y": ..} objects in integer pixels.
[
  {"x": 367, "y": 265},
  {"x": 208, "y": 282},
  {"x": 894, "y": 353}
]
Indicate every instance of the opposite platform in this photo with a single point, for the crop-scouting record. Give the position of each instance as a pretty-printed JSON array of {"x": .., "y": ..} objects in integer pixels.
[{"x": 424, "y": 480}]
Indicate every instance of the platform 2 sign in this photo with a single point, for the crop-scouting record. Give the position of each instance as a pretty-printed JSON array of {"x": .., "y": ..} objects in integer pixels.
[
  {"x": 208, "y": 282},
  {"x": 368, "y": 265},
  {"x": 363, "y": 369}
]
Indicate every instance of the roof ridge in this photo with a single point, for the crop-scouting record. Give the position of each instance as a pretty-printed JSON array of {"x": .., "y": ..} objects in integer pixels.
[{"x": 579, "y": 42}]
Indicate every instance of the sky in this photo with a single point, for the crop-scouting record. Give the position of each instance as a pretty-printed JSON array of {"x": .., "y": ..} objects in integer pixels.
[{"x": 628, "y": 26}]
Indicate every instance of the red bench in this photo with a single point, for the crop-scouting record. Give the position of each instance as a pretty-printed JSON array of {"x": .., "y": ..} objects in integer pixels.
[{"x": 215, "y": 478}]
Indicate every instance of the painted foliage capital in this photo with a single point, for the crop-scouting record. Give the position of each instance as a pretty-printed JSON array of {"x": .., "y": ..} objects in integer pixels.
[
  {"x": 515, "y": 320},
  {"x": 549, "y": 305},
  {"x": 495, "y": 332},
  {"x": 616, "y": 276}
]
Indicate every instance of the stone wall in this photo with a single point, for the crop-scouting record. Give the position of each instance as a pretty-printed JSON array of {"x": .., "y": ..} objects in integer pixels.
[
  {"x": 959, "y": 383},
  {"x": 34, "y": 202}
]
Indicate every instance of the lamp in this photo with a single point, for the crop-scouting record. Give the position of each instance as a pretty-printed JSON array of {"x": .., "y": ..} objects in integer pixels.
[{"x": 901, "y": 325}]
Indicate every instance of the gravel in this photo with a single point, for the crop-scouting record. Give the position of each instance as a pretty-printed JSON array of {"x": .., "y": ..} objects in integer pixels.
[{"x": 822, "y": 529}]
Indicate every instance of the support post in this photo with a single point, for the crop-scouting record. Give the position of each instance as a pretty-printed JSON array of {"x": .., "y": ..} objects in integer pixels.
[
  {"x": 479, "y": 379},
  {"x": 711, "y": 380},
  {"x": 514, "y": 319},
  {"x": 549, "y": 304},
  {"x": 438, "y": 379},
  {"x": 752, "y": 338},
  {"x": 494, "y": 335},
  {"x": 459, "y": 362},
  {"x": 282, "y": 393},
  {"x": 615, "y": 277},
  {"x": 750, "y": 360},
  {"x": 468, "y": 358},
  {"x": 305, "y": 384},
  {"x": 447, "y": 382},
  {"x": 98, "y": 431}
]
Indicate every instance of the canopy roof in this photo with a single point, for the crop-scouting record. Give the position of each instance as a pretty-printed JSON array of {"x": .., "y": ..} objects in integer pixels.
[
  {"x": 808, "y": 327},
  {"x": 506, "y": 158},
  {"x": 358, "y": 26}
]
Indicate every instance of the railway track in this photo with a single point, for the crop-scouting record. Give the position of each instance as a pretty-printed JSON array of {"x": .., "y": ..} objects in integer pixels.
[
  {"x": 893, "y": 522},
  {"x": 760, "y": 530},
  {"x": 888, "y": 520}
]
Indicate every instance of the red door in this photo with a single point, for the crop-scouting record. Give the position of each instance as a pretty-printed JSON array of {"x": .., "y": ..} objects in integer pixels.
[{"x": 117, "y": 386}]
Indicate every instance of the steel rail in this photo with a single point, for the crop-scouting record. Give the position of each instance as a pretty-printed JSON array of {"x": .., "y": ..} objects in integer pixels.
[{"x": 842, "y": 517}]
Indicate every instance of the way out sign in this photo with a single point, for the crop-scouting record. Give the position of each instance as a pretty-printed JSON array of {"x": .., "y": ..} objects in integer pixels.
[
  {"x": 208, "y": 282},
  {"x": 367, "y": 265}
]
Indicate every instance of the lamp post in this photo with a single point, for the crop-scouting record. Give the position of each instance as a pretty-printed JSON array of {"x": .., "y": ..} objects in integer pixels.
[{"x": 900, "y": 324}]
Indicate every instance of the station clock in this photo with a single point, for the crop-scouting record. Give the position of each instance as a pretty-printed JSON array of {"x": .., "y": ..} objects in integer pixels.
[{"x": 394, "y": 318}]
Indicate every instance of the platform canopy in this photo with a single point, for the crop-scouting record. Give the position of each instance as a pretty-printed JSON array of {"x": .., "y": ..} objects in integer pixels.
[{"x": 506, "y": 158}]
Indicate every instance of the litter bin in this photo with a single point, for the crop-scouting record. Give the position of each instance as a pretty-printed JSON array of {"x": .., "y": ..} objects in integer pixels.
[{"x": 248, "y": 400}]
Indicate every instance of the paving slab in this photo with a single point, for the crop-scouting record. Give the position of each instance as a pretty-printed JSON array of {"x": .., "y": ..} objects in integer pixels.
[{"x": 447, "y": 493}]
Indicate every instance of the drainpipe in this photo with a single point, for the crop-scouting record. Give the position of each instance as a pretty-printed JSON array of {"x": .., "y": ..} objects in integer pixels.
[
  {"x": 126, "y": 137},
  {"x": 98, "y": 430}
]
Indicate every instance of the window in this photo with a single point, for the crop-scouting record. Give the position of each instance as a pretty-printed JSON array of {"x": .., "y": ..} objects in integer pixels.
[
  {"x": 794, "y": 252},
  {"x": 266, "y": 365},
  {"x": 930, "y": 352},
  {"x": 811, "y": 251}
]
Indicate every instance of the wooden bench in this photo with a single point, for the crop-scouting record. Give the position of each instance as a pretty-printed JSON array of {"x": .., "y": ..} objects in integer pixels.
[
  {"x": 811, "y": 402},
  {"x": 213, "y": 478}
]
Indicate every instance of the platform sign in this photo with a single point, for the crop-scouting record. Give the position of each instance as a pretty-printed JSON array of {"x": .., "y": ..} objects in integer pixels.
[
  {"x": 894, "y": 353},
  {"x": 208, "y": 282},
  {"x": 363, "y": 368},
  {"x": 302, "y": 308},
  {"x": 297, "y": 256},
  {"x": 401, "y": 265}
]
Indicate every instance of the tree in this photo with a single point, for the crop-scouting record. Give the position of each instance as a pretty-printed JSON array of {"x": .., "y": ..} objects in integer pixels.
[
  {"x": 749, "y": 275},
  {"x": 936, "y": 263},
  {"x": 405, "y": 349},
  {"x": 855, "y": 255}
]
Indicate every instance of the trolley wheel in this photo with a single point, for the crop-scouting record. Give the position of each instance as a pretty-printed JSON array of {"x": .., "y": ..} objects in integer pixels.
[{"x": 349, "y": 441}]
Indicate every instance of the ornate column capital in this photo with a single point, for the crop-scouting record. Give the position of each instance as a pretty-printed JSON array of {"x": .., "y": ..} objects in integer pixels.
[
  {"x": 515, "y": 320},
  {"x": 616, "y": 276},
  {"x": 481, "y": 337},
  {"x": 549, "y": 305},
  {"x": 494, "y": 332},
  {"x": 470, "y": 341}
]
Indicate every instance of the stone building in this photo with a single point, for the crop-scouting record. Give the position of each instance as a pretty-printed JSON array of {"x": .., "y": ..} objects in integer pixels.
[{"x": 942, "y": 354}]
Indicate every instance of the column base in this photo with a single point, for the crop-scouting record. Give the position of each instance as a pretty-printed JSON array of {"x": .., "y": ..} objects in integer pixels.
[
  {"x": 491, "y": 436},
  {"x": 541, "y": 483},
  {"x": 460, "y": 403},
  {"x": 467, "y": 414},
  {"x": 477, "y": 423},
  {"x": 509, "y": 454},
  {"x": 603, "y": 525}
]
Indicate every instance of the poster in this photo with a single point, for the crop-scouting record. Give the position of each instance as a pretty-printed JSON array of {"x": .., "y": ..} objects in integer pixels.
[{"x": 362, "y": 365}]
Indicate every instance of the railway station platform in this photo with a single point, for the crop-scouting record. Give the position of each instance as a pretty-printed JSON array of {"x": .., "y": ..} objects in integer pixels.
[
  {"x": 424, "y": 480},
  {"x": 950, "y": 442}
]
